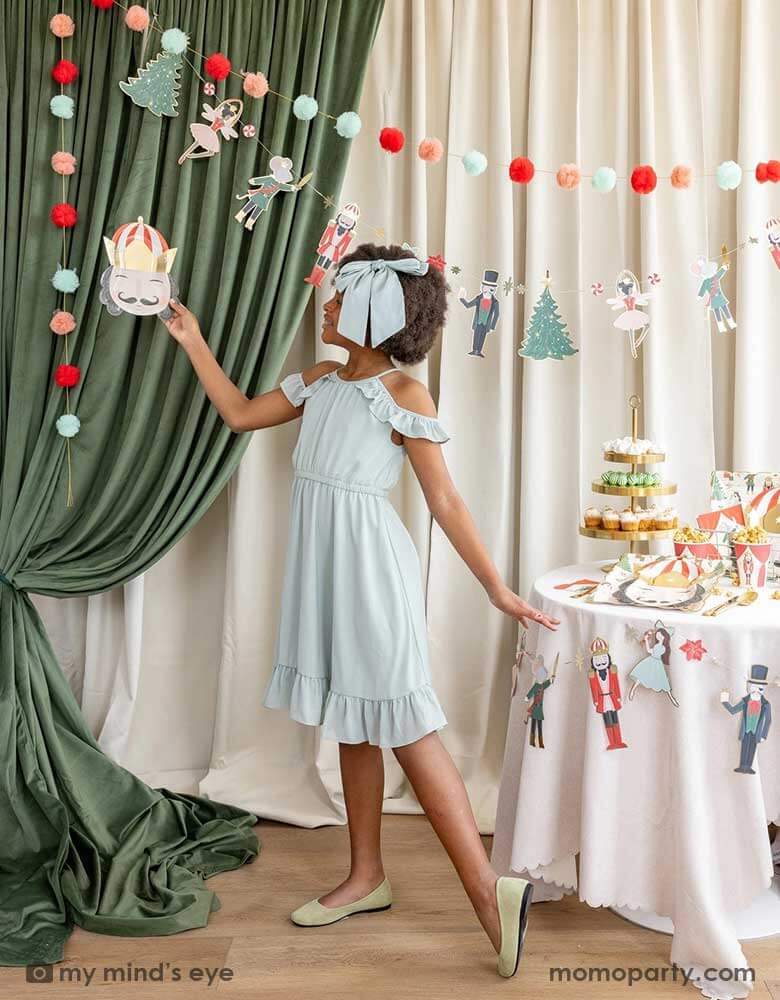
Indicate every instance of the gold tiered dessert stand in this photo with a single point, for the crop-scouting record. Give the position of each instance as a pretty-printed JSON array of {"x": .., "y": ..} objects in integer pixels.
[{"x": 634, "y": 492}]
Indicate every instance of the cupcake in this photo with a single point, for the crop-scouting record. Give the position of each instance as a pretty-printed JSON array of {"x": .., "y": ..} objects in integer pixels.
[
  {"x": 666, "y": 519},
  {"x": 611, "y": 519},
  {"x": 592, "y": 517},
  {"x": 629, "y": 521},
  {"x": 646, "y": 520},
  {"x": 651, "y": 513}
]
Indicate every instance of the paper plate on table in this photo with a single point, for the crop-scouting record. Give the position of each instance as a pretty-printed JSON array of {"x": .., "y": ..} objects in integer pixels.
[{"x": 660, "y": 582}]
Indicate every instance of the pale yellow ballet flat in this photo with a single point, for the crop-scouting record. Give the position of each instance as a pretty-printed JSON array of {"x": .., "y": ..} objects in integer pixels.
[
  {"x": 513, "y": 896},
  {"x": 314, "y": 914}
]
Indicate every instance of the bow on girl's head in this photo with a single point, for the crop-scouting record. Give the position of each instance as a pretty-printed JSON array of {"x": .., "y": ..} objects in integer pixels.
[{"x": 371, "y": 289}]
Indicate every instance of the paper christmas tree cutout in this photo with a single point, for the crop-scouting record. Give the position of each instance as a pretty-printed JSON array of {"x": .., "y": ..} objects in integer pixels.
[
  {"x": 156, "y": 85},
  {"x": 546, "y": 336}
]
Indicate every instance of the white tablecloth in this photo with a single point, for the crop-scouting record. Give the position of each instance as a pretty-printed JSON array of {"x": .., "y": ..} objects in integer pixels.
[{"x": 665, "y": 825}]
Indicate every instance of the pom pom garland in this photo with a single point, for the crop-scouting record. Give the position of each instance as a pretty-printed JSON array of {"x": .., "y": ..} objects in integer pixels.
[
  {"x": 62, "y": 322},
  {"x": 63, "y": 162},
  {"x": 62, "y": 26},
  {"x": 521, "y": 170},
  {"x": 255, "y": 85},
  {"x": 65, "y": 71},
  {"x": 66, "y": 376},
  {"x": 62, "y": 106},
  {"x": 174, "y": 41},
  {"x": 682, "y": 176},
  {"x": 305, "y": 107},
  {"x": 604, "y": 180},
  {"x": 137, "y": 18},
  {"x": 430, "y": 150},
  {"x": 769, "y": 171},
  {"x": 348, "y": 124},
  {"x": 474, "y": 163},
  {"x": 568, "y": 176},
  {"x": 728, "y": 175},
  {"x": 64, "y": 215},
  {"x": 392, "y": 139},
  {"x": 217, "y": 66},
  {"x": 65, "y": 280},
  {"x": 68, "y": 425},
  {"x": 643, "y": 179},
  {"x": 102, "y": 4}
]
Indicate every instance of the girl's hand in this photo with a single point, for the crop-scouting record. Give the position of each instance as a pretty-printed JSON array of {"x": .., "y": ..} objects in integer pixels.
[
  {"x": 508, "y": 602},
  {"x": 183, "y": 326}
]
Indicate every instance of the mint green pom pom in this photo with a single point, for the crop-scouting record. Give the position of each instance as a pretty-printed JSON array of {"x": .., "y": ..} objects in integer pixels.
[
  {"x": 174, "y": 40},
  {"x": 474, "y": 163},
  {"x": 68, "y": 425},
  {"x": 348, "y": 124},
  {"x": 65, "y": 280},
  {"x": 305, "y": 107},
  {"x": 62, "y": 106},
  {"x": 604, "y": 180},
  {"x": 728, "y": 175}
]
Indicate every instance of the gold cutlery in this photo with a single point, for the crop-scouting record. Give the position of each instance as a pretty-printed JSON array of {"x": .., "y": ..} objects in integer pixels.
[{"x": 740, "y": 601}]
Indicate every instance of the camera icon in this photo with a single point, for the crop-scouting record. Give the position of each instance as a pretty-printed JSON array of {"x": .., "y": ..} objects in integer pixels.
[{"x": 40, "y": 973}]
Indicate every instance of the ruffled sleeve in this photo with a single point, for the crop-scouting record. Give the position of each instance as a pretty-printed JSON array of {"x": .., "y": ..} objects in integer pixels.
[
  {"x": 406, "y": 422},
  {"x": 296, "y": 390}
]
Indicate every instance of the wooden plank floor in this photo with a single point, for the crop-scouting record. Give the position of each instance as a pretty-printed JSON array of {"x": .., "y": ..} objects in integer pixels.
[{"x": 428, "y": 945}]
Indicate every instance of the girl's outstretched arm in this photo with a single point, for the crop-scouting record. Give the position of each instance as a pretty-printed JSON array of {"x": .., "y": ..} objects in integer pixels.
[
  {"x": 238, "y": 412},
  {"x": 451, "y": 513}
]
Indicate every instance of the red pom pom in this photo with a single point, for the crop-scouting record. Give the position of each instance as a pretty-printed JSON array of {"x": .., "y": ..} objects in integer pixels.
[
  {"x": 392, "y": 140},
  {"x": 64, "y": 215},
  {"x": 102, "y": 4},
  {"x": 521, "y": 170},
  {"x": 643, "y": 179},
  {"x": 762, "y": 173},
  {"x": 217, "y": 66},
  {"x": 67, "y": 376},
  {"x": 773, "y": 171},
  {"x": 65, "y": 71}
]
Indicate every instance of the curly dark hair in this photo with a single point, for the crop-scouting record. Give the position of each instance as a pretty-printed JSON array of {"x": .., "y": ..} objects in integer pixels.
[{"x": 425, "y": 298}]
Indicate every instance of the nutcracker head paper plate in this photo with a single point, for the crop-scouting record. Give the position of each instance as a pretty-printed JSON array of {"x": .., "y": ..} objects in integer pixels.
[
  {"x": 660, "y": 582},
  {"x": 138, "y": 279}
]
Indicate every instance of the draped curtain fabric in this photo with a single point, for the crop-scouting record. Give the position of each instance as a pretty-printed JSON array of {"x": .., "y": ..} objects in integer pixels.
[
  {"x": 599, "y": 82},
  {"x": 82, "y": 839}
]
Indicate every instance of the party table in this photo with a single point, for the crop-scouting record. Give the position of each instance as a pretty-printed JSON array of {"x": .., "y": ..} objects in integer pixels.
[{"x": 666, "y": 831}]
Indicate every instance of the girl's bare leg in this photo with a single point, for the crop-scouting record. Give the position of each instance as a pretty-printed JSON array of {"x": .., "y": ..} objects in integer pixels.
[
  {"x": 440, "y": 791},
  {"x": 363, "y": 780}
]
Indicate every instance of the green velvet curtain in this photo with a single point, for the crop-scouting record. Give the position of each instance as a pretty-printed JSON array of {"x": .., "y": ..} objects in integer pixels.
[{"x": 82, "y": 840}]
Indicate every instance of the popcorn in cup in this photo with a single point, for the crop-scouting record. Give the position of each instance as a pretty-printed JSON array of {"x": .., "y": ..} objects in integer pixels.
[
  {"x": 694, "y": 542},
  {"x": 752, "y": 550}
]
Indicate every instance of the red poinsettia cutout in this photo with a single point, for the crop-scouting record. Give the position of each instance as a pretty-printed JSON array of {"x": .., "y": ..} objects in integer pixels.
[{"x": 694, "y": 649}]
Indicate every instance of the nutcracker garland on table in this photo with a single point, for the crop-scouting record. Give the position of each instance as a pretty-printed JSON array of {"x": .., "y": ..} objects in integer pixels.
[
  {"x": 756, "y": 716},
  {"x": 605, "y": 691}
]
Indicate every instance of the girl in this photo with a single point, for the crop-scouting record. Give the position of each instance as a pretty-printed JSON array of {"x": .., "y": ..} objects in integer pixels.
[{"x": 352, "y": 647}]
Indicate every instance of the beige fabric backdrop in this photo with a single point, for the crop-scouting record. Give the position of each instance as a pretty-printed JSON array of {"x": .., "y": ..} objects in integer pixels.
[{"x": 171, "y": 671}]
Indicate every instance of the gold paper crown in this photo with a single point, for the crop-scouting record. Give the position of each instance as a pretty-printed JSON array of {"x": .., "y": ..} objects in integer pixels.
[{"x": 138, "y": 247}]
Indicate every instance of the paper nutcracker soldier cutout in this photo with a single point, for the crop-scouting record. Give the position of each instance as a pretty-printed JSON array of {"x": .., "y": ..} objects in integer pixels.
[
  {"x": 756, "y": 714},
  {"x": 652, "y": 670},
  {"x": 605, "y": 692},
  {"x": 486, "y": 311},
  {"x": 773, "y": 238},
  {"x": 334, "y": 243},
  {"x": 535, "y": 699},
  {"x": 263, "y": 189},
  {"x": 138, "y": 279},
  {"x": 206, "y": 138},
  {"x": 628, "y": 295},
  {"x": 710, "y": 291}
]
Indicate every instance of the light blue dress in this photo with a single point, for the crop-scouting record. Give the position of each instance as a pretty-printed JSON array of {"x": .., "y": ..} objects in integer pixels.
[
  {"x": 651, "y": 672},
  {"x": 352, "y": 651}
]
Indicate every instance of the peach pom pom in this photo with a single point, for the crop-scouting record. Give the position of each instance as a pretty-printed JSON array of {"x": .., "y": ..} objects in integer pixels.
[
  {"x": 568, "y": 176},
  {"x": 137, "y": 18},
  {"x": 682, "y": 176},
  {"x": 63, "y": 163},
  {"x": 430, "y": 150},
  {"x": 255, "y": 85},
  {"x": 62, "y": 26},
  {"x": 62, "y": 322}
]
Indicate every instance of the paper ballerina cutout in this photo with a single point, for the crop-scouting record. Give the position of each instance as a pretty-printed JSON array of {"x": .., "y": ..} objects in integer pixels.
[
  {"x": 334, "y": 243},
  {"x": 756, "y": 713},
  {"x": 773, "y": 238},
  {"x": 710, "y": 290},
  {"x": 263, "y": 189},
  {"x": 221, "y": 121},
  {"x": 652, "y": 671},
  {"x": 605, "y": 691},
  {"x": 138, "y": 279},
  {"x": 486, "y": 311},
  {"x": 628, "y": 295}
]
